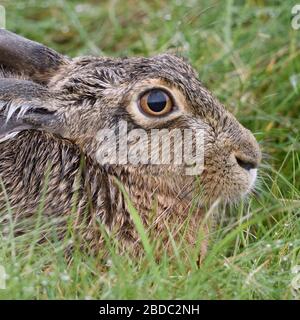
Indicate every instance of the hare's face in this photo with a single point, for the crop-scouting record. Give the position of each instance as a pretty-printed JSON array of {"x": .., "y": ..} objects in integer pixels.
[
  {"x": 148, "y": 94},
  {"x": 91, "y": 95}
]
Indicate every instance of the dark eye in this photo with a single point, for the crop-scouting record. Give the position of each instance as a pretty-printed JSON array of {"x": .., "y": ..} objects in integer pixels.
[{"x": 156, "y": 102}]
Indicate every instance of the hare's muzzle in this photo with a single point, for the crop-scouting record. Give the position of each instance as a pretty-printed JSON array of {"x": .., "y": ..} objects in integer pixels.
[{"x": 231, "y": 163}]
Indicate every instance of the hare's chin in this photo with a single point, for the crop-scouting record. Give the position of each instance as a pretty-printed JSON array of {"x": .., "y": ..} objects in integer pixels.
[{"x": 242, "y": 194}]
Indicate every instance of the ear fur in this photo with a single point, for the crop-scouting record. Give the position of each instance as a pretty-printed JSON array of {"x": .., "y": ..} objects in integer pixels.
[
  {"x": 26, "y": 57},
  {"x": 25, "y": 105}
]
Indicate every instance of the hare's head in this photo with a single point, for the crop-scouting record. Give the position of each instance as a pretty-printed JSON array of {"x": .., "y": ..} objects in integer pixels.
[{"x": 84, "y": 99}]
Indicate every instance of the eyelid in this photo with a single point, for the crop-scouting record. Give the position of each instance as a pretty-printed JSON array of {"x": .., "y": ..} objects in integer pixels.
[{"x": 167, "y": 92}]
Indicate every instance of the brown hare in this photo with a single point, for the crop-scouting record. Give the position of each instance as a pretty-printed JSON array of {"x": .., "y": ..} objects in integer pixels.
[{"x": 52, "y": 110}]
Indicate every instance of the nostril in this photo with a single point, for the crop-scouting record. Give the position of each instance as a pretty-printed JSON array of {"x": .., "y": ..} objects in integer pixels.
[{"x": 247, "y": 165}]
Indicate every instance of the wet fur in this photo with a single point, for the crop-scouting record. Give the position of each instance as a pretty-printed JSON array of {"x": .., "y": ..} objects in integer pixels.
[{"x": 88, "y": 94}]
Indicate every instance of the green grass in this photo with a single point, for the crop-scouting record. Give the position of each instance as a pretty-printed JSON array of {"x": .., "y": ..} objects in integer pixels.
[{"x": 247, "y": 53}]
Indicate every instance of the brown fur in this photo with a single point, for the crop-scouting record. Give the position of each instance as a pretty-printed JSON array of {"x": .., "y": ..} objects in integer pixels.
[{"x": 86, "y": 94}]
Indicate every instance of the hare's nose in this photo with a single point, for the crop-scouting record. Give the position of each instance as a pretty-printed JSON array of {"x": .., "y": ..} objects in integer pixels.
[
  {"x": 246, "y": 164},
  {"x": 247, "y": 151}
]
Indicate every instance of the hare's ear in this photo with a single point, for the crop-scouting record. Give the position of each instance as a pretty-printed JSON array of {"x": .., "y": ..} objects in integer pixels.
[
  {"x": 27, "y": 57},
  {"x": 26, "y": 105}
]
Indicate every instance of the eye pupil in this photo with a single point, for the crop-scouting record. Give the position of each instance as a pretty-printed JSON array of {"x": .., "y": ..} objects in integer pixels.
[{"x": 157, "y": 101}]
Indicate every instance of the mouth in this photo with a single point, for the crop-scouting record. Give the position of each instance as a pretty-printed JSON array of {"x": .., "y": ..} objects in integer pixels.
[
  {"x": 252, "y": 178},
  {"x": 230, "y": 186}
]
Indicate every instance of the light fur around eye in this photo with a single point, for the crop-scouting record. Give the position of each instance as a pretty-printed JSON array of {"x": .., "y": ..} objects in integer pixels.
[{"x": 140, "y": 112}]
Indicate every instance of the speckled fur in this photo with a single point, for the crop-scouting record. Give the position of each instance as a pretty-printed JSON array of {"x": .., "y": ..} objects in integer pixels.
[{"x": 90, "y": 93}]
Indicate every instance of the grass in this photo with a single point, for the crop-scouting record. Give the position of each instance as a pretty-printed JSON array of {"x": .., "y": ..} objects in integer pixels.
[{"x": 247, "y": 53}]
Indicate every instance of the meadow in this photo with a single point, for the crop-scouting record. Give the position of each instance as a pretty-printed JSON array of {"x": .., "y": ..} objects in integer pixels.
[{"x": 248, "y": 55}]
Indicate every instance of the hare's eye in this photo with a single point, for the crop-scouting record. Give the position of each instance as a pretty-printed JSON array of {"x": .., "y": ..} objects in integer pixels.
[{"x": 156, "y": 103}]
